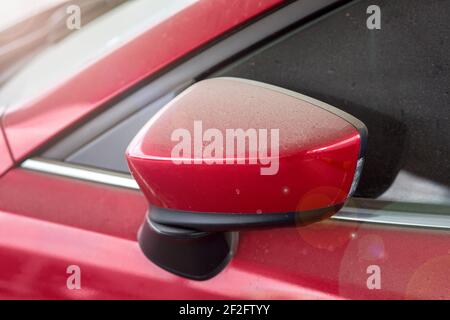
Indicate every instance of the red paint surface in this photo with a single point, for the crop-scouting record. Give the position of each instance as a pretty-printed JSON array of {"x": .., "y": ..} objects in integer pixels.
[
  {"x": 6, "y": 161},
  {"x": 324, "y": 260},
  {"x": 48, "y": 223},
  {"x": 73, "y": 202},
  {"x": 318, "y": 152},
  {"x": 36, "y": 121}
]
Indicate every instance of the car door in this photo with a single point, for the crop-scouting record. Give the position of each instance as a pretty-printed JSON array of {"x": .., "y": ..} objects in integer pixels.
[{"x": 71, "y": 207}]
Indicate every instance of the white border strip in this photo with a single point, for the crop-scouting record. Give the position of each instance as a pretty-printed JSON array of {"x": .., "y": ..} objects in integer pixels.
[
  {"x": 351, "y": 214},
  {"x": 82, "y": 173},
  {"x": 396, "y": 218}
]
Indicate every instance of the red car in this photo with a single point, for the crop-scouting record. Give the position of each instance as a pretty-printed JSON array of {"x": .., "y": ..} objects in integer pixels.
[{"x": 285, "y": 150}]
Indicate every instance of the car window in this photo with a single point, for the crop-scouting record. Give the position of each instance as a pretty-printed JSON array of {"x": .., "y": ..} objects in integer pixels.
[
  {"x": 31, "y": 26},
  {"x": 94, "y": 40},
  {"x": 395, "y": 79}
]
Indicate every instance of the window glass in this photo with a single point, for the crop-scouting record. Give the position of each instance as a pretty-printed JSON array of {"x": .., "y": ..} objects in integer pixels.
[
  {"x": 85, "y": 46},
  {"x": 395, "y": 79}
]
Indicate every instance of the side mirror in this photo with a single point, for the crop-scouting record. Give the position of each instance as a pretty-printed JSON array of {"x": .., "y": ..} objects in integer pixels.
[{"x": 231, "y": 154}]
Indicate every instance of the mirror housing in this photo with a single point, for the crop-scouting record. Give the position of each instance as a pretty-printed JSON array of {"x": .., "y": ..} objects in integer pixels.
[{"x": 229, "y": 154}]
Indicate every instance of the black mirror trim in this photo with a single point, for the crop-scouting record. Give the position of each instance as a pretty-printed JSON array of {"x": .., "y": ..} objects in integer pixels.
[{"x": 223, "y": 222}]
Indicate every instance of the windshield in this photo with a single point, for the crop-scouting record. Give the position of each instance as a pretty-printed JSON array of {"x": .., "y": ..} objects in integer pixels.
[
  {"x": 112, "y": 23},
  {"x": 28, "y": 26}
]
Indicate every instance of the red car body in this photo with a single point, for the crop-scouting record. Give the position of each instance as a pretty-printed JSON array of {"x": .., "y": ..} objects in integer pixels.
[{"x": 49, "y": 222}]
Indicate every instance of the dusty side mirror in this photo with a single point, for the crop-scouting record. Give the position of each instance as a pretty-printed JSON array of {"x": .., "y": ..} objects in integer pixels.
[{"x": 230, "y": 154}]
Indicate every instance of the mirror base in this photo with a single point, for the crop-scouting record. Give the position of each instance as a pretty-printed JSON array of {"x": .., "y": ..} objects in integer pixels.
[{"x": 187, "y": 253}]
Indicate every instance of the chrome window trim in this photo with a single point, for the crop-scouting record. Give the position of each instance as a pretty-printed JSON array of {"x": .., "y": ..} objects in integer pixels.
[
  {"x": 396, "y": 218},
  {"x": 347, "y": 214},
  {"x": 65, "y": 169}
]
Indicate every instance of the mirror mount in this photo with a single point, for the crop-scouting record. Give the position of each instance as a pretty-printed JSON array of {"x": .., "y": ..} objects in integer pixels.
[{"x": 188, "y": 253}]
